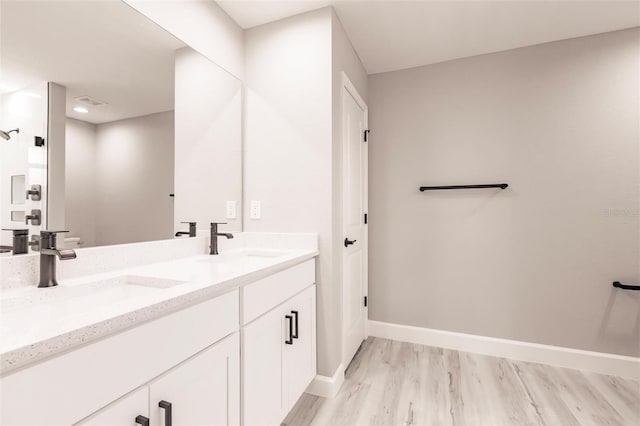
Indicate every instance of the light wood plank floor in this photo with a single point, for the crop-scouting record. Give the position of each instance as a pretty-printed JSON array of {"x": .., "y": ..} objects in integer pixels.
[{"x": 394, "y": 383}]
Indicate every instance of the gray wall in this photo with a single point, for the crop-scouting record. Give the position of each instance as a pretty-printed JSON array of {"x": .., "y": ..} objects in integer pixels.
[
  {"x": 54, "y": 218},
  {"x": 134, "y": 177},
  {"x": 119, "y": 176},
  {"x": 535, "y": 262},
  {"x": 80, "y": 181}
]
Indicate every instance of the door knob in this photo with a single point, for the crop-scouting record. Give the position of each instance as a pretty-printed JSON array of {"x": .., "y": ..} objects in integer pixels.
[{"x": 348, "y": 242}]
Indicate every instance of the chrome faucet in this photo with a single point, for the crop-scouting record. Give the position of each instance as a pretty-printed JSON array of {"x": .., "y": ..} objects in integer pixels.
[
  {"x": 214, "y": 236},
  {"x": 192, "y": 230},
  {"x": 48, "y": 254}
]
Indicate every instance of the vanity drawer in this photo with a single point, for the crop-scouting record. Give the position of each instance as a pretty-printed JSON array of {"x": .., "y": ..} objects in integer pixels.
[
  {"x": 69, "y": 387},
  {"x": 267, "y": 293}
]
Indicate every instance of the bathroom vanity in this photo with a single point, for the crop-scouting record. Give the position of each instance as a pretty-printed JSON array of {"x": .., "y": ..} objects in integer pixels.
[{"x": 227, "y": 339}]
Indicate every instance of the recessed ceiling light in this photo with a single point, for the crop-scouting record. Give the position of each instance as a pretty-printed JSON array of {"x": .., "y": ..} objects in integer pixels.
[{"x": 81, "y": 110}]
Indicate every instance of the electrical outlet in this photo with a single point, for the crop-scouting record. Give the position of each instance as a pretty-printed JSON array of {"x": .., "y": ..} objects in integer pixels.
[
  {"x": 255, "y": 210},
  {"x": 231, "y": 209}
]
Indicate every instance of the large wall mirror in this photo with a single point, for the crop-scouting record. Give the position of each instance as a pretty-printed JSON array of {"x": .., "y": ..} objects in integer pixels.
[{"x": 125, "y": 130}]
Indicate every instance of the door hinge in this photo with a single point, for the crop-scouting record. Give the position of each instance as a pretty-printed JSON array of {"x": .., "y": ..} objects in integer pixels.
[
  {"x": 366, "y": 135},
  {"x": 366, "y": 218},
  {"x": 366, "y": 302}
]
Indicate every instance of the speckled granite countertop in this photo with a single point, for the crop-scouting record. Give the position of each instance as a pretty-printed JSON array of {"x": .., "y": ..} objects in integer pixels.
[{"x": 38, "y": 323}]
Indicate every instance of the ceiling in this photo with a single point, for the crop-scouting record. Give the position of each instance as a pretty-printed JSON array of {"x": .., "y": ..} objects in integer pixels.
[
  {"x": 391, "y": 35},
  {"x": 102, "y": 49}
]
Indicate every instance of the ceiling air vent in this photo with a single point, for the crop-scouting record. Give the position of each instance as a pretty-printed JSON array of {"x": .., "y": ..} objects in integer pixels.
[{"x": 87, "y": 100}]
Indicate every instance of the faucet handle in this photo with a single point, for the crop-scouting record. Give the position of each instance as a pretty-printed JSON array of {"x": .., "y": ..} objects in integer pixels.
[
  {"x": 35, "y": 217},
  {"x": 218, "y": 223},
  {"x": 190, "y": 223},
  {"x": 35, "y": 242}
]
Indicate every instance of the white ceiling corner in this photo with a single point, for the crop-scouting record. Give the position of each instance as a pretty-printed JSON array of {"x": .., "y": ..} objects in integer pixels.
[{"x": 393, "y": 34}]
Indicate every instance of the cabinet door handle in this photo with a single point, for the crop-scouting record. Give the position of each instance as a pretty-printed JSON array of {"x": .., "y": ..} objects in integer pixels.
[
  {"x": 295, "y": 335},
  {"x": 142, "y": 420},
  {"x": 167, "y": 412},
  {"x": 289, "y": 341}
]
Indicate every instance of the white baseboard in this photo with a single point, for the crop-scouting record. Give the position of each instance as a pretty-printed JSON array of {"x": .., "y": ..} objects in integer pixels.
[
  {"x": 597, "y": 362},
  {"x": 326, "y": 386}
]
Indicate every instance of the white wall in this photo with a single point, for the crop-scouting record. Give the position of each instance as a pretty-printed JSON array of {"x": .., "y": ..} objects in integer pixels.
[
  {"x": 293, "y": 146},
  {"x": 208, "y": 143},
  {"x": 201, "y": 24},
  {"x": 559, "y": 123},
  {"x": 80, "y": 178},
  {"x": 132, "y": 182},
  {"x": 25, "y": 109},
  {"x": 287, "y": 144}
]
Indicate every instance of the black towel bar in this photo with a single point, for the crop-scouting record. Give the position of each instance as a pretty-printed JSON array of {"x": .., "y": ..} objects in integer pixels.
[
  {"x": 618, "y": 284},
  {"x": 488, "y": 185}
]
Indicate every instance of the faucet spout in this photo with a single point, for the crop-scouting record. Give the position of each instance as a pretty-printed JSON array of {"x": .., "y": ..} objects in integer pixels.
[
  {"x": 214, "y": 237},
  {"x": 61, "y": 254}
]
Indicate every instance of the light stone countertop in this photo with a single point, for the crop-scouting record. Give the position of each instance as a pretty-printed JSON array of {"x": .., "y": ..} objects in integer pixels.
[{"x": 38, "y": 323}]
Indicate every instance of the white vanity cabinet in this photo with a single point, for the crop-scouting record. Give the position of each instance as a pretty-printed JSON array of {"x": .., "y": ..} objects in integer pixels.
[
  {"x": 243, "y": 357},
  {"x": 122, "y": 412},
  {"x": 71, "y": 387},
  {"x": 279, "y": 349},
  {"x": 204, "y": 390}
]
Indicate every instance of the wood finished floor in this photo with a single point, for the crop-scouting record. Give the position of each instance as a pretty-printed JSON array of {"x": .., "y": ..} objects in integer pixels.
[{"x": 394, "y": 383}]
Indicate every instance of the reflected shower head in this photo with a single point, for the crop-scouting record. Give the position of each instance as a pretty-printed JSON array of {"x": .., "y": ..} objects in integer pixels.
[{"x": 7, "y": 135}]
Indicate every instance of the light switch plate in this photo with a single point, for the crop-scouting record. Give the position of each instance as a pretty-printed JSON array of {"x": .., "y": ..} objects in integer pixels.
[
  {"x": 231, "y": 209},
  {"x": 255, "y": 210}
]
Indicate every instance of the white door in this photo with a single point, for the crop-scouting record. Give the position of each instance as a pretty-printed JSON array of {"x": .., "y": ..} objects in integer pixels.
[
  {"x": 122, "y": 412},
  {"x": 354, "y": 204},
  {"x": 300, "y": 356},
  {"x": 204, "y": 390}
]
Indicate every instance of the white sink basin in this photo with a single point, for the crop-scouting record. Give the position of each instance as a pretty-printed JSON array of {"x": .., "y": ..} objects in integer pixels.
[{"x": 41, "y": 307}]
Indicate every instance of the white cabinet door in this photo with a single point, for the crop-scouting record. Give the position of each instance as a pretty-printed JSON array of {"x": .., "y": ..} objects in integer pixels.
[
  {"x": 300, "y": 357},
  {"x": 204, "y": 390},
  {"x": 122, "y": 412},
  {"x": 264, "y": 394}
]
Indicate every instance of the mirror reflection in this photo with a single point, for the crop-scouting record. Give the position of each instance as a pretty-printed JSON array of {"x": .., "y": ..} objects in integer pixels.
[
  {"x": 17, "y": 188},
  {"x": 127, "y": 130}
]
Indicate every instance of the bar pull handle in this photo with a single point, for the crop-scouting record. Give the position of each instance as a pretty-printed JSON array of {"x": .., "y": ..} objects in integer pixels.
[
  {"x": 168, "y": 415},
  {"x": 295, "y": 314},
  {"x": 142, "y": 420},
  {"x": 289, "y": 318},
  {"x": 618, "y": 284},
  {"x": 484, "y": 185}
]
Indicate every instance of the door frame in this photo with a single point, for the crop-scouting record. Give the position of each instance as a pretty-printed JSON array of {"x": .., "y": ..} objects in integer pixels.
[{"x": 347, "y": 88}]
